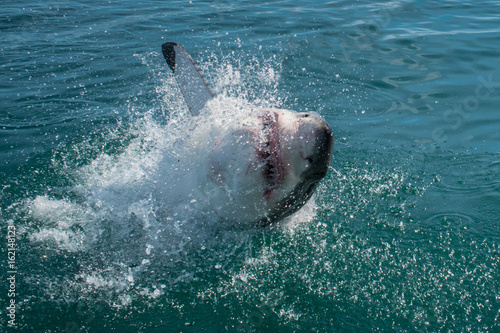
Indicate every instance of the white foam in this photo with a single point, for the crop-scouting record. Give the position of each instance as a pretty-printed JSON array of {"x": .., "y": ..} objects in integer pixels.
[
  {"x": 141, "y": 208},
  {"x": 68, "y": 225},
  {"x": 305, "y": 215}
]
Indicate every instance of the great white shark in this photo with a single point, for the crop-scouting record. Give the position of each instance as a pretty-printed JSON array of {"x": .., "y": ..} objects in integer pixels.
[{"x": 260, "y": 170}]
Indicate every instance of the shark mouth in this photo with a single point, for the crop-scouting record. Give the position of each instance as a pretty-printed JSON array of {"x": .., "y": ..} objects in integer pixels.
[{"x": 268, "y": 154}]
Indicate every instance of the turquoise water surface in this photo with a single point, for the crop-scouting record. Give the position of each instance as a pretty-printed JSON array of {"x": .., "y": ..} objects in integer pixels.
[{"x": 403, "y": 234}]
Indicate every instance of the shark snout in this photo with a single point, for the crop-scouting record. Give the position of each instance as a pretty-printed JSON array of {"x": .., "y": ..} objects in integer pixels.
[{"x": 316, "y": 146}]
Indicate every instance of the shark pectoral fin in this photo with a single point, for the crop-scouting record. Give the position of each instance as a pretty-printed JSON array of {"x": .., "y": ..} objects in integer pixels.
[{"x": 191, "y": 82}]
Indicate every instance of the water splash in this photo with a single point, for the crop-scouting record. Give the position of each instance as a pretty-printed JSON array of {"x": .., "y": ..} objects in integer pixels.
[{"x": 131, "y": 207}]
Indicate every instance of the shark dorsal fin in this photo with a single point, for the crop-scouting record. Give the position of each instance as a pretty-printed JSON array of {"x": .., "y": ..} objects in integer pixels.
[{"x": 192, "y": 84}]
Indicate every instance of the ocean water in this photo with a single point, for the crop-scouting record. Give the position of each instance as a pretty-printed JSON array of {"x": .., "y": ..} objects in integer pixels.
[{"x": 402, "y": 235}]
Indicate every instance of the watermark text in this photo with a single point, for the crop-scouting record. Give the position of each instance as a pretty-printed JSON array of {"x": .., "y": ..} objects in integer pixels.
[{"x": 11, "y": 275}]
